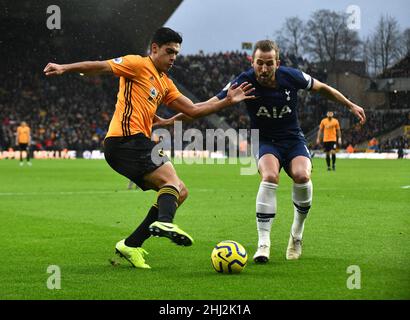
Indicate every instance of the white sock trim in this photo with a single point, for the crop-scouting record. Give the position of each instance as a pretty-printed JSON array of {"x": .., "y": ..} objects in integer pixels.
[
  {"x": 302, "y": 193},
  {"x": 266, "y": 198},
  {"x": 268, "y": 185},
  {"x": 266, "y": 210},
  {"x": 302, "y": 185}
]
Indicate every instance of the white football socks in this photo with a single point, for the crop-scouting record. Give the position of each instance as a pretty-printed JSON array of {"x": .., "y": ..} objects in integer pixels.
[
  {"x": 302, "y": 200},
  {"x": 265, "y": 211}
]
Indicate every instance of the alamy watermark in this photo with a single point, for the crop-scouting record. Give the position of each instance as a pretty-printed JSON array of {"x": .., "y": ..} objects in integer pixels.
[
  {"x": 54, "y": 19},
  {"x": 193, "y": 147},
  {"x": 54, "y": 281},
  {"x": 354, "y": 17},
  {"x": 354, "y": 281}
]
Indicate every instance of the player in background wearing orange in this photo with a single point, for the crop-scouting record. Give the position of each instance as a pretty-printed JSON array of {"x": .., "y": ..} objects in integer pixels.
[
  {"x": 128, "y": 149},
  {"x": 23, "y": 140},
  {"x": 332, "y": 135}
]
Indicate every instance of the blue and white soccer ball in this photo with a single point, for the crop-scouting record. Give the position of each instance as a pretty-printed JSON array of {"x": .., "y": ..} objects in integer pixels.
[{"x": 229, "y": 257}]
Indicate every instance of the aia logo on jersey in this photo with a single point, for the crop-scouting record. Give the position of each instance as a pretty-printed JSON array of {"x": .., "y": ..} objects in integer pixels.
[{"x": 275, "y": 114}]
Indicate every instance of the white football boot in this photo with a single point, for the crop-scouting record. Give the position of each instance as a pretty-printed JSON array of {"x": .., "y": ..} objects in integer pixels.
[
  {"x": 294, "y": 250},
  {"x": 262, "y": 254}
]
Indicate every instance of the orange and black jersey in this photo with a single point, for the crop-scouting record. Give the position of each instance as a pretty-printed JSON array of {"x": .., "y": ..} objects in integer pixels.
[
  {"x": 141, "y": 90},
  {"x": 329, "y": 128},
  {"x": 23, "y": 134}
]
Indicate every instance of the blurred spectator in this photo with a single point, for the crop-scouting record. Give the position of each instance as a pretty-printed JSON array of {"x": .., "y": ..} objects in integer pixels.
[
  {"x": 350, "y": 149},
  {"x": 396, "y": 143},
  {"x": 373, "y": 145},
  {"x": 2, "y": 143}
]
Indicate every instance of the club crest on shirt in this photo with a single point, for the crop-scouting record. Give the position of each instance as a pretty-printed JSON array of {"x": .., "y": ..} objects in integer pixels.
[
  {"x": 117, "y": 60},
  {"x": 153, "y": 92},
  {"x": 287, "y": 92}
]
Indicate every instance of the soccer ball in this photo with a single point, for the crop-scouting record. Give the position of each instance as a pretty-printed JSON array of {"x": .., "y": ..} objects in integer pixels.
[{"x": 229, "y": 257}]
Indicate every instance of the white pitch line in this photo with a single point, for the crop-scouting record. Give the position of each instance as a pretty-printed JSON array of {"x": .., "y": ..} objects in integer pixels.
[
  {"x": 51, "y": 193},
  {"x": 405, "y": 187},
  {"x": 5, "y": 194}
]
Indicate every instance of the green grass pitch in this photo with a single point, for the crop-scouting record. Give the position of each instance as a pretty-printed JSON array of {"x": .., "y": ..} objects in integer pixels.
[{"x": 70, "y": 213}]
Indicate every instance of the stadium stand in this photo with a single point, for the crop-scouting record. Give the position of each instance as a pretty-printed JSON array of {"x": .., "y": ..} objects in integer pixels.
[
  {"x": 73, "y": 112},
  {"x": 70, "y": 112}
]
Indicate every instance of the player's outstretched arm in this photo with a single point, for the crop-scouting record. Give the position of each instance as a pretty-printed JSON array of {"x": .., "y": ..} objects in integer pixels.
[
  {"x": 319, "y": 133},
  {"x": 334, "y": 95},
  {"x": 162, "y": 122},
  {"x": 339, "y": 137},
  {"x": 235, "y": 95},
  {"x": 85, "y": 67}
]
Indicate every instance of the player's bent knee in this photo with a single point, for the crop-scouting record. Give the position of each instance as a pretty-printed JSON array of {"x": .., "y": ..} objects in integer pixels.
[
  {"x": 270, "y": 177},
  {"x": 168, "y": 180},
  {"x": 301, "y": 177}
]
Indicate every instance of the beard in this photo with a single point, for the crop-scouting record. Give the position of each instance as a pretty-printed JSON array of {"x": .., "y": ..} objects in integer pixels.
[{"x": 265, "y": 79}]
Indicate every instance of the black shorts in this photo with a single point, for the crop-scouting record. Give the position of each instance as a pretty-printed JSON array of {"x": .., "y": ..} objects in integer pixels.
[
  {"x": 133, "y": 157},
  {"x": 23, "y": 146},
  {"x": 329, "y": 146}
]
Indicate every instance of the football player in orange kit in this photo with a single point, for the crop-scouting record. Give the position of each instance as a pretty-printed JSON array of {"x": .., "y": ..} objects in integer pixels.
[
  {"x": 332, "y": 135},
  {"x": 23, "y": 140},
  {"x": 143, "y": 86}
]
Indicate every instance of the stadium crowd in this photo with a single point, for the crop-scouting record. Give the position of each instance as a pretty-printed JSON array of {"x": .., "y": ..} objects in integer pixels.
[
  {"x": 63, "y": 113},
  {"x": 378, "y": 123},
  {"x": 73, "y": 112},
  {"x": 206, "y": 75},
  {"x": 400, "y": 142}
]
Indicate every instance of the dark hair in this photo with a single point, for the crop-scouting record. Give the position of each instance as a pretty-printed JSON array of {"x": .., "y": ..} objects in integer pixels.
[
  {"x": 166, "y": 35},
  {"x": 265, "y": 46}
]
